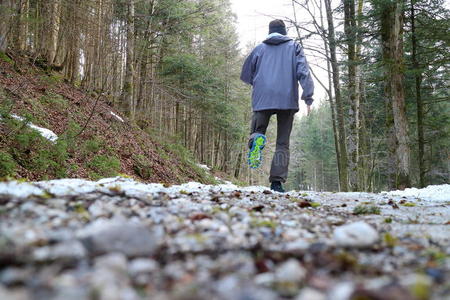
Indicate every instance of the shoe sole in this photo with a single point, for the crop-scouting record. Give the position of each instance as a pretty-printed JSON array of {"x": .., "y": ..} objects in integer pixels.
[{"x": 255, "y": 153}]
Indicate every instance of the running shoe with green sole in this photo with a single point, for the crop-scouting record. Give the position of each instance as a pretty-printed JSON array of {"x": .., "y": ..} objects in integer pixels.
[{"x": 255, "y": 153}]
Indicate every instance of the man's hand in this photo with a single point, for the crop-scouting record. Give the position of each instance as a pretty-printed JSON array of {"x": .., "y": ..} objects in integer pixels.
[{"x": 308, "y": 110}]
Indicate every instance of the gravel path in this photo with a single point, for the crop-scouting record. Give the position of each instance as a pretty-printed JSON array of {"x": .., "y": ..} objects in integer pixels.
[{"x": 119, "y": 239}]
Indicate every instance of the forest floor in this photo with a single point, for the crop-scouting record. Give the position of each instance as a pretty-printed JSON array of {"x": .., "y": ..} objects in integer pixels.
[{"x": 120, "y": 239}]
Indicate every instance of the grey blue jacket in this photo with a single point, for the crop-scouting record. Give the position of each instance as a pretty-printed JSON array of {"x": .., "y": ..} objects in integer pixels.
[{"x": 274, "y": 69}]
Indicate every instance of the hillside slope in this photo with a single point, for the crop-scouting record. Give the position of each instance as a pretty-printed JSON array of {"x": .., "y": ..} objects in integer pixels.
[{"x": 94, "y": 140}]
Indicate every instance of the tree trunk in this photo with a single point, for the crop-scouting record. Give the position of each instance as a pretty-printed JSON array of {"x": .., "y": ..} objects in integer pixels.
[
  {"x": 343, "y": 178},
  {"x": 392, "y": 39},
  {"x": 53, "y": 29},
  {"x": 6, "y": 12},
  {"x": 128, "y": 85},
  {"x": 329, "y": 91},
  {"x": 363, "y": 148},
  {"x": 237, "y": 168},
  {"x": 22, "y": 27},
  {"x": 73, "y": 41},
  {"x": 353, "y": 114},
  {"x": 419, "y": 102}
]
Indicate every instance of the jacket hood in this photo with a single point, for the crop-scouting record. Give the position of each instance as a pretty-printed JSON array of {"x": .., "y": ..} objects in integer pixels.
[{"x": 277, "y": 39}]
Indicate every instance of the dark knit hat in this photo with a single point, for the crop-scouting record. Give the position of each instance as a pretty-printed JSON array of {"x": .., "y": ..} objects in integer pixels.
[{"x": 277, "y": 26}]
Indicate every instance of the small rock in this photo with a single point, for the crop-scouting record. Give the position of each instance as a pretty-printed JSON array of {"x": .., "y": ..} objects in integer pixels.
[
  {"x": 66, "y": 251},
  {"x": 265, "y": 279},
  {"x": 100, "y": 209},
  {"x": 341, "y": 291},
  {"x": 142, "y": 265},
  {"x": 110, "y": 278},
  {"x": 232, "y": 287},
  {"x": 128, "y": 238},
  {"x": 141, "y": 270},
  {"x": 115, "y": 262},
  {"x": 310, "y": 294},
  {"x": 14, "y": 276},
  {"x": 297, "y": 245},
  {"x": 175, "y": 270},
  {"x": 290, "y": 271},
  {"x": 335, "y": 220},
  {"x": 23, "y": 235},
  {"x": 14, "y": 294},
  {"x": 358, "y": 234},
  {"x": 69, "y": 286},
  {"x": 57, "y": 203}
]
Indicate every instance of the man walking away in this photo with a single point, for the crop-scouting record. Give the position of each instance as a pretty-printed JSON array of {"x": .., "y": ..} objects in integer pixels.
[{"x": 274, "y": 69}]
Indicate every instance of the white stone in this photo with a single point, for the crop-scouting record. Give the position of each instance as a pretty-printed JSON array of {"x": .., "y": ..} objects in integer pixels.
[
  {"x": 290, "y": 271},
  {"x": 62, "y": 251},
  {"x": 341, "y": 291},
  {"x": 110, "y": 278},
  {"x": 265, "y": 279},
  {"x": 310, "y": 294},
  {"x": 359, "y": 234},
  {"x": 115, "y": 262},
  {"x": 101, "y": 208},
  {"x": 142, "y": 265},
  {"x": 297, "y": 245}
]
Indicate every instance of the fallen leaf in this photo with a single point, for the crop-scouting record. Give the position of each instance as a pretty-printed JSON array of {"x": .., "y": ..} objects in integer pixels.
[
  {"x": 304, "y": 203},
  {"x": 258, "y": 208},
  {"x": 199, "y": 216}
]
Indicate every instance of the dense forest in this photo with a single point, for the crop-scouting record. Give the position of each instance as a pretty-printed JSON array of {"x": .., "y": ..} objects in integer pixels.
[
  {"x": 172, "y": 67},
  {"x": 388, "y": 103}
]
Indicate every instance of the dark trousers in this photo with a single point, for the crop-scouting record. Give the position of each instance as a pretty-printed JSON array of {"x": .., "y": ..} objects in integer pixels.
[{"x": 280, "y": 161}]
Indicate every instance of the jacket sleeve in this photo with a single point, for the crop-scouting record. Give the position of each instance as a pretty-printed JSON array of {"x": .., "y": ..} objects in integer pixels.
[
  {"x": 249, "y": 68},
  {"x": 304, "y": 75}
]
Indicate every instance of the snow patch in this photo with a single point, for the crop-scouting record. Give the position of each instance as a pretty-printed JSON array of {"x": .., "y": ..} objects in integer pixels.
[
  {"x": 204, "y": 167},
  {"x": 430, "y": 193},
  {"x": 46, "y": 133},
  {"x": 19, "y": 189},
  {"x": 130, "y": 187},
  {"x": 117, "y": 117}
]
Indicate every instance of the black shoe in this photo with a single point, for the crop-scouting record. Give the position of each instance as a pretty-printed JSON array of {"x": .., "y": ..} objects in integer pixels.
[{"x": 277, "y": 187}]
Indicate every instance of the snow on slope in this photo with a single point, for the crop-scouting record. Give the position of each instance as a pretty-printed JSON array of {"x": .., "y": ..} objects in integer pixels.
[
  {"x": 117, "y": 117},
  {"x": 46, "y": 133}
]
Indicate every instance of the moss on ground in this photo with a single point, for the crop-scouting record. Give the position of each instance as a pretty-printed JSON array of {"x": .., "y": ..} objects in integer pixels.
[
  {"x": 92, "y": 146},
  {"x": 185, "y": 161},
  {"x": 142, "y": 167},
  {"x": 54, "y": 100},
  {"x": 6, "y": 58},
  {"x": 8, "y": 165},
  {"x": 28, "y": 149},
  {"x": 366, "y": 210},
  {"x": 103, "y": 166}
]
